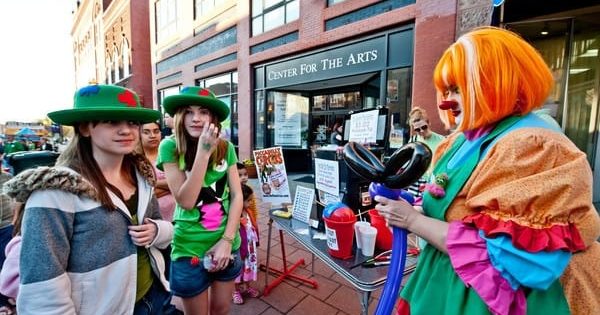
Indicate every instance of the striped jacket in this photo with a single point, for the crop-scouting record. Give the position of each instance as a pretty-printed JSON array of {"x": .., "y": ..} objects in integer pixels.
[{"x": 77, "y": 257}]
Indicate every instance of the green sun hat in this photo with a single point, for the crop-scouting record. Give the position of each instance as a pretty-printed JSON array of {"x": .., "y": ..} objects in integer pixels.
[
  {"x": 104, "y": 102},
  {"x": 195, "y": 95}
]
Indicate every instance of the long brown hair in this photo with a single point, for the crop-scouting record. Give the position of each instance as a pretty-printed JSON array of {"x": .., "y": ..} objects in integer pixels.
[
  {"x": 187, "y": 146},
  {"x": 79, "y": 157}
]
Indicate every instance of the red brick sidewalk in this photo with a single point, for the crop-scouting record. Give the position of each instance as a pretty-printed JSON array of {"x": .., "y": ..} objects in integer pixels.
[{"x": 333, "y": 296}]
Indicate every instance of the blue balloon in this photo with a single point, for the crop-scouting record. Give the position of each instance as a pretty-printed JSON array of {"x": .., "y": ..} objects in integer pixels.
[{"x": 394, "y": 194}]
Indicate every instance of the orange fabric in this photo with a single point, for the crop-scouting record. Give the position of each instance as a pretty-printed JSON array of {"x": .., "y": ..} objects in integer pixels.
[
  {"x": 580, "y": 281},
  {"x": 538, "y": 179}
]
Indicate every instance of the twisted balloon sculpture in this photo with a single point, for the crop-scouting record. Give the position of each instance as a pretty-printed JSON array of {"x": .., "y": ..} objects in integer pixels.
[{"x": 403, "y": 168}]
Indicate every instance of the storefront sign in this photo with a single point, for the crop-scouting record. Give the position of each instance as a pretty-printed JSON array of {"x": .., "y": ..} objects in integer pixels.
[{"x": 353, "y": 59}]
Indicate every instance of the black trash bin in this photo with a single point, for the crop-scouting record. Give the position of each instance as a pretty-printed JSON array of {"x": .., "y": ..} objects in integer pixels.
[{"x": 23, "y": 160}]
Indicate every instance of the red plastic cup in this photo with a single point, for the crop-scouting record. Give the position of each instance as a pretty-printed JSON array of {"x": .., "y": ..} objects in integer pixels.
[
  {"x": 384, "y": 235},
  {"x": 339, "y": 237}
]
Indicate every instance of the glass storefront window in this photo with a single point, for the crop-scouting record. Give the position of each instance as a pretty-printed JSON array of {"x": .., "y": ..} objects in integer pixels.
[
  {"x": 319, "y": 102},
  {"x": 288, "y": 119},
  {"x": 398, "y": 100},
  {"x": 582, "y": 97},
  {"x": 260, "y": 119}
]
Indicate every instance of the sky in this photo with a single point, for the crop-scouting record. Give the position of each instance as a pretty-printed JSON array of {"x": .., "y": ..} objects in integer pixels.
[{"x": 36, "y": 58}]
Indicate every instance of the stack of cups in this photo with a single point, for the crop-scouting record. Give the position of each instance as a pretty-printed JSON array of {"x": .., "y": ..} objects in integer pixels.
[{"x": 365, "y": 237}]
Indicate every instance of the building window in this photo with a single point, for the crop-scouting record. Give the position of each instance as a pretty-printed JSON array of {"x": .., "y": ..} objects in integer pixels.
[
  {"x": 166, "y": 19},
  {"x": 332, "y": 2},
  {"x": 269, "y": 14},
  {"x": 116, "y": 59},
  {"x": 398, "y": 100},
  {"x": 203, "y": 7},
  {"x": 125, "y": 55},
  {"x": 108, "y": 72},
  {"x": 225, "y": 88}
]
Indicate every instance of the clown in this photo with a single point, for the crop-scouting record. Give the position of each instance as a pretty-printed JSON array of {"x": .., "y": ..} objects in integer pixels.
[{"x": 515, "y": 231}]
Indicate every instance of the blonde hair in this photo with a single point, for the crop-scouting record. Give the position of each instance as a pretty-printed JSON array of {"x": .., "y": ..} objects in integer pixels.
[
  {"x": 497, "y": 73},
  {"x": 417, "y": 114}
]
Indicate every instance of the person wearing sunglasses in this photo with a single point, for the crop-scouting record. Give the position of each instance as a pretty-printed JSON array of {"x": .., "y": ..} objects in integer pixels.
[{"x": 421, "y": 132}]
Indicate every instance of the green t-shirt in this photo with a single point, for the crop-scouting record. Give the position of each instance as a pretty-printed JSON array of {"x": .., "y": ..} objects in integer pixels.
[
  {"x": 432, "y": 143},
  {"x": 195, "y": 233}
]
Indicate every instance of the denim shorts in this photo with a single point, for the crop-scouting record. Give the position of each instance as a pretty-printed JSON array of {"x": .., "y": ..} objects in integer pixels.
[{"x": 189, "y": 280}]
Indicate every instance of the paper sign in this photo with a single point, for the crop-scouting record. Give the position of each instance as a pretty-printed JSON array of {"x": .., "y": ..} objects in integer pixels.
[
  {"x": 332, "y": 240},
  {"x": 327, "y": 176},
  {"x": 303, "y": 201},
  {"x": 363, "y": 126}
]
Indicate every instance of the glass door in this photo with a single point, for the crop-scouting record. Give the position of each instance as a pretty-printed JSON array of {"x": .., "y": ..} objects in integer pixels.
[{"x": 570, "y": 47}]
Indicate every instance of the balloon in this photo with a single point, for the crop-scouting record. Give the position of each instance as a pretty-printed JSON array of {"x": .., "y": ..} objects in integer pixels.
[
  {"x": 407, "y": 165},
  {"x": 378, "y": 189},
  {"x": 395, "y": 273},
  {"x": 363, "y": 162},
  {"x": 404, "y": 167}
]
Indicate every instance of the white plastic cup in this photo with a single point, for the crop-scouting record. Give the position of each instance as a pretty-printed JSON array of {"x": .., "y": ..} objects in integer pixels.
[
  {"x": 357, "y": 226},
  {"x": 367, "y": 239}
]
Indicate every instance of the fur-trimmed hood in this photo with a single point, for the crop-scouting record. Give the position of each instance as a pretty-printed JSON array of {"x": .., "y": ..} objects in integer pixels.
[{"x": 64, "y": 178}]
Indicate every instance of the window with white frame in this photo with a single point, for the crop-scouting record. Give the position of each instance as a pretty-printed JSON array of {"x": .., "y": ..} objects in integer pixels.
[
  {"x": 269, "y": 14},
  {"x": 116, "y": 59},
  {"x": 125, "y": 58},
  {"x": 166, "y": 19},
  {"x": 109, "y": 76},
  {"x": 203, "y": 7}
]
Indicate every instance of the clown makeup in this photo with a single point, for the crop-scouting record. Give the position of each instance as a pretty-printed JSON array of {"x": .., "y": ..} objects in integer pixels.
[{"x": 453, "y": 95}]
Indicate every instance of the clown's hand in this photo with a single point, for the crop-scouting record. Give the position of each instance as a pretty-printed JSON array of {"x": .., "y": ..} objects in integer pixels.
[{"x": 397, "y": 213}]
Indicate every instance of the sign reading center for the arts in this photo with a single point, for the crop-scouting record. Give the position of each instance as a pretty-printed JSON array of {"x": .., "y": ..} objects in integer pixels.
[{"x": 347, "y": 60}]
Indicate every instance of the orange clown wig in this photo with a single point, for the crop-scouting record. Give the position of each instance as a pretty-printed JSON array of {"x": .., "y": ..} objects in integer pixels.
[{"x": 496, "y": 72}]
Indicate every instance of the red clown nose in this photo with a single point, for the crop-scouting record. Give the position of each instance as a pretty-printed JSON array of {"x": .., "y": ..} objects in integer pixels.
[{"x": 446, "y": 105}]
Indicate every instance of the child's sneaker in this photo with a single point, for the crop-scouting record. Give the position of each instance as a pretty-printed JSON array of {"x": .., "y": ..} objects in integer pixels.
[
  {"x": 237, "y": 297},
  {"x": 252, "y": 292}
]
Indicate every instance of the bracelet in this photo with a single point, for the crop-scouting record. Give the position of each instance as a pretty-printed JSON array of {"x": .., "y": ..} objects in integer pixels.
[{"x": 227, "y": 239}]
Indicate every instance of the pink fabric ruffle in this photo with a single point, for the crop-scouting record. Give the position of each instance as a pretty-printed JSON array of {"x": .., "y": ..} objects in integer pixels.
[
  {"x": 9, "y": 275},
  {"x": 469, "y": 257}
]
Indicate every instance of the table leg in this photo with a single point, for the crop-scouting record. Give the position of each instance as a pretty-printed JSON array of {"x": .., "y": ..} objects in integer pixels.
[
  {"x": 364, "y": 297},
  {"x": 286, "y": 272},
  {"x": 268, "y": 253}
]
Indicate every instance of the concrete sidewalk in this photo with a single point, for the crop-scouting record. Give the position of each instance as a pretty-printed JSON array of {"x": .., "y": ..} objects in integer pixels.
[{"x": 334, "y": 295}]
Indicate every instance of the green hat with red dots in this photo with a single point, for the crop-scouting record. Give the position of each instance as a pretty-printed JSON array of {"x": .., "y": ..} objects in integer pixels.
[
  {"x": 104, "y": 102},
  {"x": 197, "y": 96}
]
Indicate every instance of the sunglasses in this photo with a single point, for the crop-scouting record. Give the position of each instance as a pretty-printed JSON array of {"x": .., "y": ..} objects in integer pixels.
[{"x": 421, "y": 129}]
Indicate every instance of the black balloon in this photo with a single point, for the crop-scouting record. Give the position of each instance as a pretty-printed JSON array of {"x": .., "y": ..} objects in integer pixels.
[
  {"x": 363, "y": 162},
  {"x": 403, "y": 168},
  {"x": 407, "y": 165}
]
